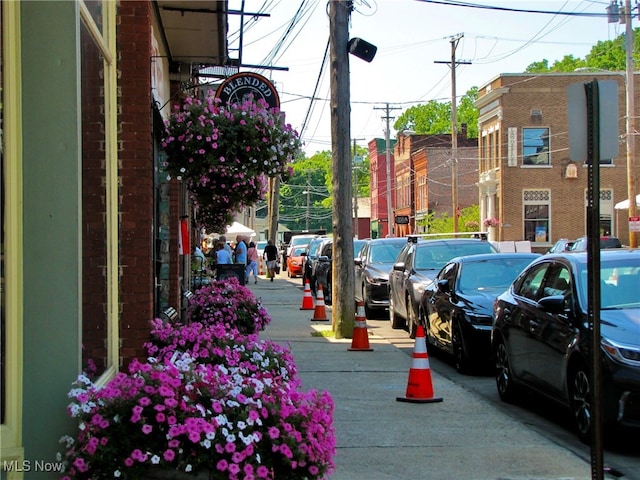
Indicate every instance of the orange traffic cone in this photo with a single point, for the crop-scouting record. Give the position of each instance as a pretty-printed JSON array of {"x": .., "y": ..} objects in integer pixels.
[
  {"x": 360, "y": 340},
  {"x": 307, "y": 299},
  {"x": 320, "y": 312},
  {"x": 419, "y": 387}
]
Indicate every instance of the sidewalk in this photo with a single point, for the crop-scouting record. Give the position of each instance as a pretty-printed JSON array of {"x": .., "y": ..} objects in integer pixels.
[{"x": 379, "y": 438}]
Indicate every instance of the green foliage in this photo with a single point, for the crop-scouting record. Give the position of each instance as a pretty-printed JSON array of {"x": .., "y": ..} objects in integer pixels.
[
  {"x": 434, "y": 117},
  {"x": 468, "y": 221},
  {"x": 604, "y": 55}
]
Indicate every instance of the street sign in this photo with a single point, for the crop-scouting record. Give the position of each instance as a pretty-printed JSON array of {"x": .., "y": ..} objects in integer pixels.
[
  {"x": 402, "y": 219},
  {"x": 634, "y": 224}
]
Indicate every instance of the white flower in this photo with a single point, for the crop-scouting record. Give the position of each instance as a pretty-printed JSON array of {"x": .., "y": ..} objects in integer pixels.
[
  {"x": 188, "y": 468},
  {"x": 117, "y": 474},
  {"x": 155, "y": 460}
]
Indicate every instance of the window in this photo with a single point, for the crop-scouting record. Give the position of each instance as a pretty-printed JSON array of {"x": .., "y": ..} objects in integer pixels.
[
  {"x": 536, "y": 205},
  {"x": 535, "y": 146},
  {"x": 99, "y": 190},
  {"x": 529, "y": 286}
]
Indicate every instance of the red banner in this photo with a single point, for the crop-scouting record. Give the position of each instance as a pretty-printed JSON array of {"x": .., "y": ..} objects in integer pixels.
[{"x": 183, "y": 237}]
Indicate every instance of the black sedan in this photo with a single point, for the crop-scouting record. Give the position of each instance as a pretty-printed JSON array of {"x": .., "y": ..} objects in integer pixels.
[
  {"x": 372, "y": 272},
  {"x": 416, "y": 266},
  {"x": 457, "y": 308},
  {"x": 541, "y": 336}
]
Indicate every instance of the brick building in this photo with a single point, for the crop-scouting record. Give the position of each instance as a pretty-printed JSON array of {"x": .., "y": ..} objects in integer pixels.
[
  {"x": 423, "y": 166},
  {"x": 526, "y": 178},
  {"x": 379, "y": 200}
]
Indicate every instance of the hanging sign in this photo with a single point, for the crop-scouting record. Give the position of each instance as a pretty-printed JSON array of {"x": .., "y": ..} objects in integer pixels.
[{"x": 237, "y": 89}]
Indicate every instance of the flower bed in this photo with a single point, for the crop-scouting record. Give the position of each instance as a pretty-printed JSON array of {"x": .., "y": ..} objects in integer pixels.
[{"x": 207, "y": 399}]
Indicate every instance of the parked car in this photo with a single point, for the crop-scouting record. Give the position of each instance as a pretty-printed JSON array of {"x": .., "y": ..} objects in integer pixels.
[
  {"x": 296, "y": 241},
  {"x": 561, "y": 245},
  {"x": 324, "y": 271},
  {"x": 372, "y": 268},
  {"x": 456, "y": 309},
  {"x": 580, "y": 245},
  {"x": 320, "y": 265},
  {"x": 295, "y": 262},
  {"x": 416, "y": 266},
  {"x": 541, "y": 336},
  {"x": 310, "y": 255}
]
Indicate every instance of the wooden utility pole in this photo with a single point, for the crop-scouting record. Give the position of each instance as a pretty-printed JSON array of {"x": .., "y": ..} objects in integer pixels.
[
  {"x": 274, "y": 197},
  {"x": 454, "y": 129},
  {"x": 343, "y": 311}
]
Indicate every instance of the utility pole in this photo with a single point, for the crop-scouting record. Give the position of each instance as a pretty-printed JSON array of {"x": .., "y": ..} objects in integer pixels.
[
  {"x": 274, "y": 196},
  {"x": 387, "y": 117},
  {"x": 343, "y": 311},
  {"x": 454, "y": 128},
  {"x": 630, "y": 124},
  {"x": 308, "y": 192},
  {"x": 356, "y": 232}
]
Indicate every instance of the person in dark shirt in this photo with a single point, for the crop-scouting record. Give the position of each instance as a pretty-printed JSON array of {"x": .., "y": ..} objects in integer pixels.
[{"x": 271, "y": 255}]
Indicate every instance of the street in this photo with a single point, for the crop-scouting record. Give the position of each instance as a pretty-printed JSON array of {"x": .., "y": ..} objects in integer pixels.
[{"x": 471, "y": 434}]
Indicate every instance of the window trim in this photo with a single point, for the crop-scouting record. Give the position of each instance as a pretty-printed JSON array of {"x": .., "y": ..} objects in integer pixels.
[{"x": 11, "y": 430}]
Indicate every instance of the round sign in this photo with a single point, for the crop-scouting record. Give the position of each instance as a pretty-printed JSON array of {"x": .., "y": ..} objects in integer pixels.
[{"x": 237, "y": 89}]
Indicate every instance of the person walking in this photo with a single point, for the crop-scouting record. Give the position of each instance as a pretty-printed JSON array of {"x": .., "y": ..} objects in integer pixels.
[
  {"x": 271, "y": 255},
  {"x": 240, "y": 252},
  {"x": 252, "y": 263}
]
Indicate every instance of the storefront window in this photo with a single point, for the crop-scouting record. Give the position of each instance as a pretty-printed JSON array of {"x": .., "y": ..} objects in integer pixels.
[{"x": 537, "y": 205}]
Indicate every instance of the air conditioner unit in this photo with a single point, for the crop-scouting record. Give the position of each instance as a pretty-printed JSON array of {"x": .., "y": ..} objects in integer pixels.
[{"x": 535, "y": 113}]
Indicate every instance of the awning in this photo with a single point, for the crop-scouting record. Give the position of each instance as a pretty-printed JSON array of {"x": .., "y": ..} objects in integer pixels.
[
  {"x": 624, "y": 205},
  {"x": 195, "y": 32}
]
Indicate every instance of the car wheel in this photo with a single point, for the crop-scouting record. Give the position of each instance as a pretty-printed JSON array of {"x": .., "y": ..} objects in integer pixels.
[
  {"x": 460, "y": 354},
  {"x": 580, "y": 399},
  {"x": 412, "y": 320},
  {"x": 396, "y": 321},
  {"x": 507, "y": 389}
]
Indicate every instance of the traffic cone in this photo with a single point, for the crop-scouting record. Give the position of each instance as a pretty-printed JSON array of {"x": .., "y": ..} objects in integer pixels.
[
  {"x": 307, "y": 299},
  {"x": 360, "y": 340},
  {"x": 260, "y": 268},
  {"x": 419, "y": 387},
  {"x": 320, "y": 313}
]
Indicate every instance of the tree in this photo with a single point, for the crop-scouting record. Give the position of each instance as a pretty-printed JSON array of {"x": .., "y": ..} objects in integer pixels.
[
  {"x": 604, "y": 55},
  {"x": 434, "y": 117}
]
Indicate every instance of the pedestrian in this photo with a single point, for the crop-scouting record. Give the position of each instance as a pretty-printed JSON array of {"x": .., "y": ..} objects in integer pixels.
[
  {"x": 222, "y": 256},
  {"x": 271, "y": 255},
  {"x": 227, "y": 247},
  {"x": 252, "y": 263},
  {"x": 240, "y": 252}
]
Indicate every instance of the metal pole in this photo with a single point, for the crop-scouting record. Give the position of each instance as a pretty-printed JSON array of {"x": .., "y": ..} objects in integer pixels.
[{"x": 630, "y": 124}]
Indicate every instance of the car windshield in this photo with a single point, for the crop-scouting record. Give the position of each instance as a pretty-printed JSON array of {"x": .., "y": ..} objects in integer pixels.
[
  {"x": 384, "y": 252},
  {"x": 619, "y": 285},
  {"x": 434, "y": 257},
  {"x": 297, "y": 251},
  {"x": 494, "y": 274}
]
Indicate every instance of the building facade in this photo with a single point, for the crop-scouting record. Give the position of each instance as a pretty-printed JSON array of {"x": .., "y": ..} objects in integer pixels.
[
  {"x": 528, "y": 184},
  {"x": 383, "y": 183},
  {"x": 89, "y": 234}
]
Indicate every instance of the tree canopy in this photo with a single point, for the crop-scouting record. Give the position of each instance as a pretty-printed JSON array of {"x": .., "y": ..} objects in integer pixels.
[{"x": 434, "y": 117}]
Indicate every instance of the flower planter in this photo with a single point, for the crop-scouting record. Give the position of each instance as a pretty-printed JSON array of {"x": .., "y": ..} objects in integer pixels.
[{"x": 165, "y": 474}]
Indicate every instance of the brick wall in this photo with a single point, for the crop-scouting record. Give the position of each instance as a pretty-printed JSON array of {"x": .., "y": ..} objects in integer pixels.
[{"x": 136, "y": 176}]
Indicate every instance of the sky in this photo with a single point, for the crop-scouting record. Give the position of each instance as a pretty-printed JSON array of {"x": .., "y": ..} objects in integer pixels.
[{"x": 410, "y": 36}]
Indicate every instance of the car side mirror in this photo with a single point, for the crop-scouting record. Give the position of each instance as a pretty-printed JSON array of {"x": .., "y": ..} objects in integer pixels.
[
  {"x": 399, "y": 267},
  {"x": 323, "y": 258},
  {"x": 553, "y": 304},
  {"x": 443, "y": 285},
  {"x": 357, "y": 261}
]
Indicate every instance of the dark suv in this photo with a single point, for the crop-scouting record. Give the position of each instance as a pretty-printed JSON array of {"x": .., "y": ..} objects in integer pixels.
[{"x": 372, "y": 272}]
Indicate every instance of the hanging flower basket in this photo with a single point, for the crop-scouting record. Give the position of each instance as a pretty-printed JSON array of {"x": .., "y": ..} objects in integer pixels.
[
  {"x": 226, "y": 153},
  {"x": 491, "y": 222}
]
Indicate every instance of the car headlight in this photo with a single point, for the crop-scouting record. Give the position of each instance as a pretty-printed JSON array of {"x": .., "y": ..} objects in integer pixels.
[{"x": 629, "y": 354}]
